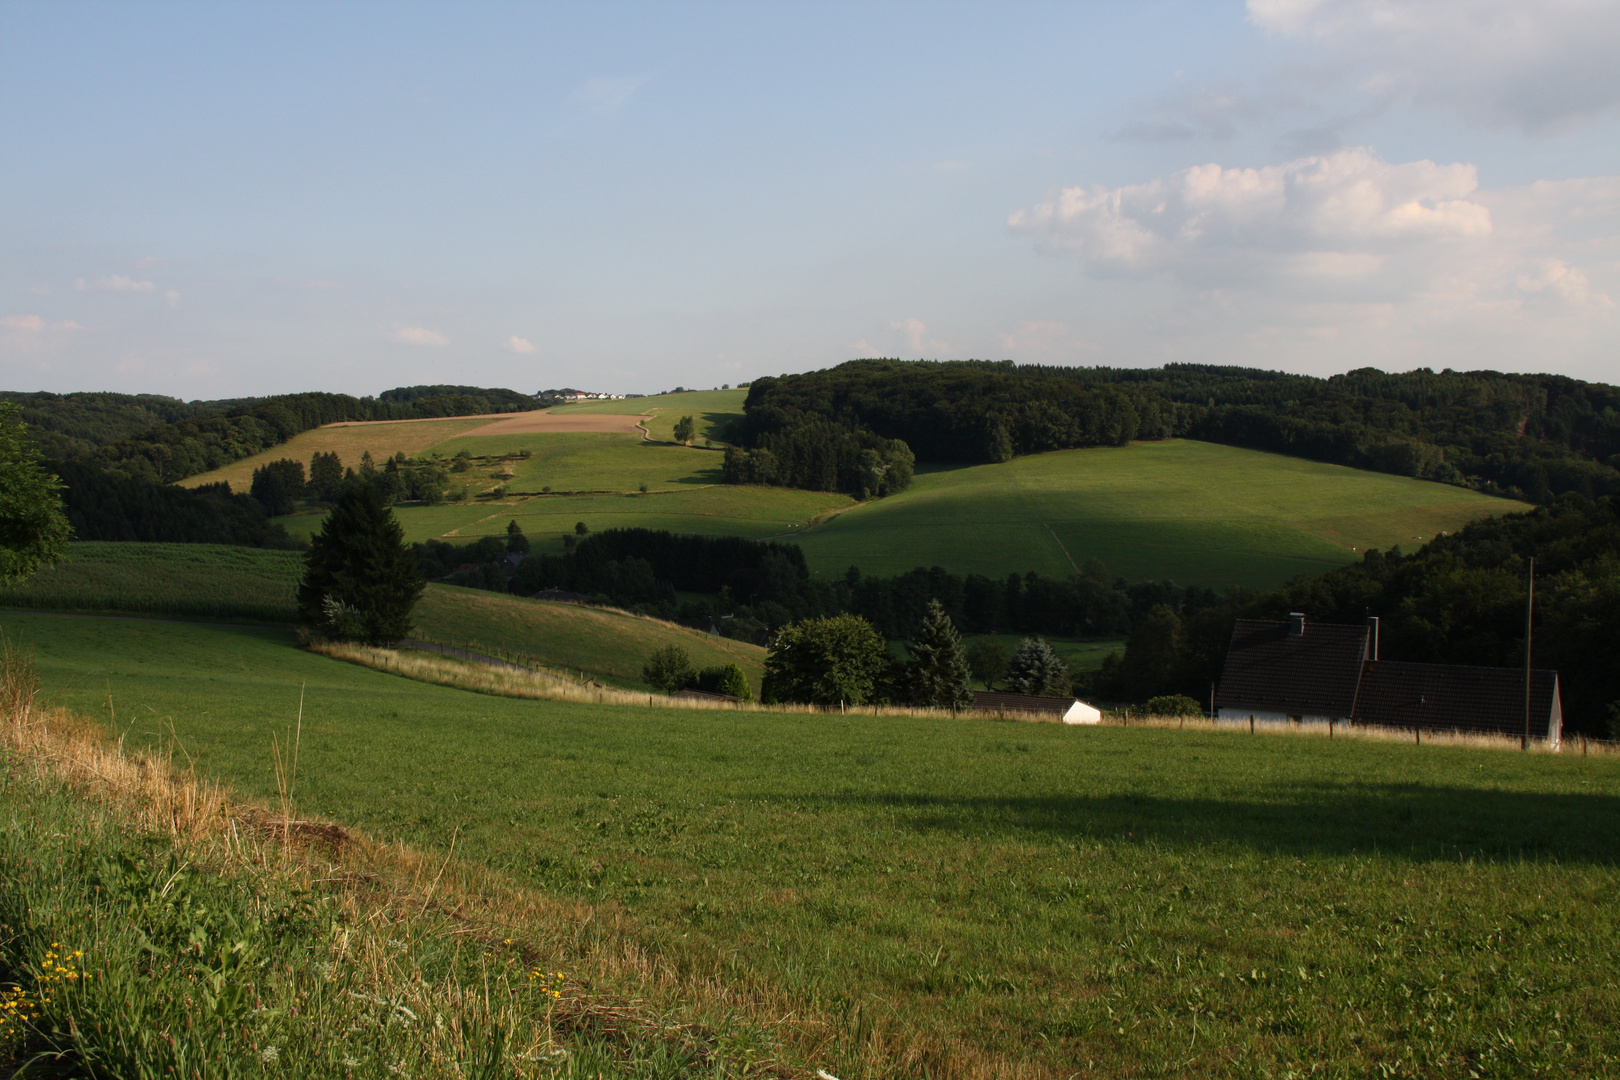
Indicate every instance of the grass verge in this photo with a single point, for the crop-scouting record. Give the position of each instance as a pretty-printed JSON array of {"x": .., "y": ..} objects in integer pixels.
[{"x": 152, "y": 926}]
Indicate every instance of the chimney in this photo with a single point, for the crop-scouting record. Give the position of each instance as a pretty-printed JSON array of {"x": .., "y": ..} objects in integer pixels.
[
  {"x": 1372, "y": 637},
  {"x": 1296, "y": 624}
]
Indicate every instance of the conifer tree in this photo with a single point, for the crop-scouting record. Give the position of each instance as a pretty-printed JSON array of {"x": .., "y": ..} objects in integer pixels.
[
  {"x": 361, "y": 581},
  {"x": 1036, "y": 669},
  {"x": 939, "y": 671}
]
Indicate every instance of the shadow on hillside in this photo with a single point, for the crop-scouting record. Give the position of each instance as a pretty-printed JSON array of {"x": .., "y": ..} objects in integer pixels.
[
  {"x": 701, "y": 477},
  {"x": 1405, "y": 821}
]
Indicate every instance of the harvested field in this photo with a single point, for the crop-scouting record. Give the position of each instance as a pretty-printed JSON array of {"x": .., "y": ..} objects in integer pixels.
[
  {"x": 383, "y": 439},
  {"x": 544, "y": 421}
]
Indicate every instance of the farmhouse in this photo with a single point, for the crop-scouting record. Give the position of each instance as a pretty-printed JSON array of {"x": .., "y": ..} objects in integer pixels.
[
  {"x": 1285, "y": 672},
  {"x": 1068, "y": 710}
]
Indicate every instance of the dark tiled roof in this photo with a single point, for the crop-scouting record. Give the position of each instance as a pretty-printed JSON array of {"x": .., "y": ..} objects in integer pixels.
[
  {"x": 1314, "y": 674},
  {"x": 987, "y": 701},
  {"x": 1451, "y": 697}
]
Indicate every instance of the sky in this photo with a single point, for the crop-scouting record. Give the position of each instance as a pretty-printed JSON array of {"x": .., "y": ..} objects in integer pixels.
[{"x": 220, "y": 200}]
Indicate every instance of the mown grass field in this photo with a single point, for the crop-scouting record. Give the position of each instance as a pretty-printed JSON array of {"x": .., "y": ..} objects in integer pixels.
[
  {"x": 710, "y": 410},
  {"x": 607, "y": 645},
  {"x": 216, "y": 582},
  {"x": 993, "y": 899},
  {"x": 1195, "y": 512},
  {"x": 180, "y": 580}
]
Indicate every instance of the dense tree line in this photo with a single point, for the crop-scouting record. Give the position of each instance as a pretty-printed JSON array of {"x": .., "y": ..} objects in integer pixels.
[
  {"x": 1460, "y": 600},
  {"x": 103, "y": 505},
  {"x": 1529, "y": 436},
  {"x": 73, "y": 425},
  {"x": 764, "y": 585},
  {"x": 164, "y": 440}
]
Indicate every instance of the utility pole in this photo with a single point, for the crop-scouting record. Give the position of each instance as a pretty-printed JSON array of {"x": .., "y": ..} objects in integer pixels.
[{"x": 1529, "y": 610}]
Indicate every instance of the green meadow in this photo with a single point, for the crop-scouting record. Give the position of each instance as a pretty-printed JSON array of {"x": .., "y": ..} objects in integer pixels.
[
  {"x": 710, "y": 410},
  {"x": 955, "y": 897},
  {"x": 1195, "y": 512},
  {"x": 216, "y": 582},
  {"x": 181, "y": 580}
]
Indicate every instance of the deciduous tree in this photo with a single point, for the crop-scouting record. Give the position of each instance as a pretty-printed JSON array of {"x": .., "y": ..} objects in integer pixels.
[
  {"x": 33, "y": 529},
  {"x": 669, "y": 669},
  {"x": 829, "y": 661}
]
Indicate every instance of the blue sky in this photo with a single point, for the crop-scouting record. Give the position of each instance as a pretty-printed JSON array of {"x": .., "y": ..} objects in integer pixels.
[{"x": 212, "y": 200}]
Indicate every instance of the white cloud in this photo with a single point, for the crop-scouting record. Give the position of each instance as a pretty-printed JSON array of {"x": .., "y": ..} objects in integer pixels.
[
  {"x": 173, "y": 298},
  {"x": 1501, "y": 63},
  {"x": 1333, "y": 216},
  {"x": 915, "y": 334},
  {"x": 1041, "y": 340},
  {"x": 609, "y": 94},
  {"x": 35, "y": 324},
  {"x": 519, "y": 345},
  {"x": 115, "y": 283},
  {"x": 1350, "y": 256},
  {"x": 418, "y": 335}
]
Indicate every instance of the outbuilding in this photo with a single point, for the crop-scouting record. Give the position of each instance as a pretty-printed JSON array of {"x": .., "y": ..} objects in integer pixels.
[{"x": 1068, "y": 710}]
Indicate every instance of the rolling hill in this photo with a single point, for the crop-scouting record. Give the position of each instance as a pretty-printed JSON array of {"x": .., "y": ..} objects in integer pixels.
[
  {"x": 211, "y": 581},
  {"x": 1198, "y": 513}
]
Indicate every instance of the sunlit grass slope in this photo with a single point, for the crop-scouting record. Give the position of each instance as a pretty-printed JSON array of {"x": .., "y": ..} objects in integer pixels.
[
  {"x": 608, "y": 645},
  {"x": 348, "y": 441},
  {"x": 709, "y": 409},
  {"x": 598, "y": 478},
  {"x": 1195, "y": 512},
  {"x": 995, "y": 899}
]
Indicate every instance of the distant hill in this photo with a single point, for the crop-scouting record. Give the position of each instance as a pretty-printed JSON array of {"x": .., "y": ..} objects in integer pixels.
[{"x": 1526, "y": 436}]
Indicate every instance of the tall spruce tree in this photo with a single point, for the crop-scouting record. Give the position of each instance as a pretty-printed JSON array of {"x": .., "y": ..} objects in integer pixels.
[
  {"x": 361, "y": 580},
  {"x": 939, "y": 673},
  {"x": 1036, "y": 669}
]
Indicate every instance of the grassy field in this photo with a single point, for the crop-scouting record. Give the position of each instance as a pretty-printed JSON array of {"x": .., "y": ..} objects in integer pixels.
[
  {"x": 967, "y": 898},
  {"x": 1195, "y": 512},
  {"x": 182, "y": 580},
  {"x": 348, "y": 441},
  {"x": 607, "y": 645},
  {"x": 209, "y": 581},
  {"x": 709, "y": 410}
]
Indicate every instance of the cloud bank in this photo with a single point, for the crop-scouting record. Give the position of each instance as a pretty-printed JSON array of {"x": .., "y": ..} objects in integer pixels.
[
  {"x": 1350, "y": 245},
  {"x": 418, "y": 335},
  {"x": 1499, "y": 63}
]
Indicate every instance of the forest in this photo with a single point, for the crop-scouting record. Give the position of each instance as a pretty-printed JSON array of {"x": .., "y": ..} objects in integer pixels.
[
  {"x": 164, "y": 439},
  {"x": 1460, "y": 599},
  {"x": 1533, "y": 437}
]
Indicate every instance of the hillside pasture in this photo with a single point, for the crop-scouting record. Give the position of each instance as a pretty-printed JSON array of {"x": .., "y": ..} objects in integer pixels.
[
  {"x": 710, "y": 411},
  {"x": 965, "y": 898},
  {"x": 185, "y": 581},
  {"x": 599, "y": 643},
  {"x": 383, "y": 438},
  {"x": 181, "y": 580},
  {"x": 1197, "y": 513}
]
